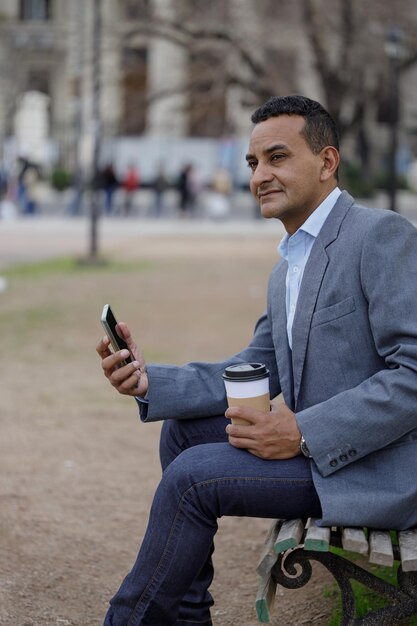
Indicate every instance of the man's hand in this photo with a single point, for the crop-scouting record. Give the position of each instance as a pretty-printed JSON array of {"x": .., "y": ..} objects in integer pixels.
[
  {"x": 273, "y": 435},
  {"x": 130, "y": 379}
]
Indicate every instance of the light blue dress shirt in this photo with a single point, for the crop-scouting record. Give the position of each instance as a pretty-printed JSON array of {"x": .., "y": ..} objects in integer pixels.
[{"x": 296, "y": 250}]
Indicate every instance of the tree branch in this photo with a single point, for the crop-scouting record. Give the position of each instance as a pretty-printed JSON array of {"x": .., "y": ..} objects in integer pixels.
[{"x": 183, "y": 34}]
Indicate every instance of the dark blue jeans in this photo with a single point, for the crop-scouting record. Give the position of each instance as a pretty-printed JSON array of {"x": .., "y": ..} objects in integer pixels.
[{"x": 204, "y": 478}]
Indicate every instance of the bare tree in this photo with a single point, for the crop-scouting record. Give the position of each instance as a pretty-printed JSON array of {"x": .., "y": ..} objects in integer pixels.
[
  {"x": 346, "y": 41},
  {"x": 221, "y": 54}
]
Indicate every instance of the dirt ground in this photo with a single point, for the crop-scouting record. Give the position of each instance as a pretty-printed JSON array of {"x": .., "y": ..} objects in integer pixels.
[{"x": 78, "y": 469}]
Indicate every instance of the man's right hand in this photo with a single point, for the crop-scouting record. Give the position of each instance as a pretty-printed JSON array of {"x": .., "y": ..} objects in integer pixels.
[{"x": 130, "y": 379}]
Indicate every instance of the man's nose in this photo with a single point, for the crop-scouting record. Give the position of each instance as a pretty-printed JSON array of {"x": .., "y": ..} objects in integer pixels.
[{"x": 262, "y": 174}]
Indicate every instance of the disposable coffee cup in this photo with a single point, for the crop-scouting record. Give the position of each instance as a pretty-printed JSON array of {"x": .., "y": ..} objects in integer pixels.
[{"x": 247, "y": 384}]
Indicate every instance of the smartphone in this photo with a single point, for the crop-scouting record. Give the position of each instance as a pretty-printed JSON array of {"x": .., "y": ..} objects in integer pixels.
[{"x": 109, "y": 323}]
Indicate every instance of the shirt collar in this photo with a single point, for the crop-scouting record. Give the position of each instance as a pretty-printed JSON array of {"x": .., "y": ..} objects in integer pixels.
[{"x": 314, "y": 222}]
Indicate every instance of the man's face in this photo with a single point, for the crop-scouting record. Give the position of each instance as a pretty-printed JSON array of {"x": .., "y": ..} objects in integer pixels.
[{"x": 287, "y": 178}]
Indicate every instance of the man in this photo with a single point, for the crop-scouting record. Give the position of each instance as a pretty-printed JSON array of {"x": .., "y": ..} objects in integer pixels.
[{"x": 339, "y": 338}]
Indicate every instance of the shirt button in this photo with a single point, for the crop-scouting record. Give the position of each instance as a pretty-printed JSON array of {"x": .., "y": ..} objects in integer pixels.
[{"x": 295, "y": 269}]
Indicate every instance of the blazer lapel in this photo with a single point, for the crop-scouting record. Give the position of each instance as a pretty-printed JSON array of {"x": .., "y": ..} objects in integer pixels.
[
  {"x": 312, "y": 278},
  {"x": 310, "y": 286}
]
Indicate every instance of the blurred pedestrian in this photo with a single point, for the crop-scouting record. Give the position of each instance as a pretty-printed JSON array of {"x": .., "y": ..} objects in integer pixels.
[
  {"x": 7, "y": 205},
  {"x": 219, "y": 198},
  {"x": 31, "y": 181},
  {"x": 188, "y": 187},
  {"x": 23, "y": 165},
  {"x": 130, "y": 183},
  {"x": 3, "y": 180},
  {"x": 160, "y": 184},
  {"x": 109, "y": 184}
]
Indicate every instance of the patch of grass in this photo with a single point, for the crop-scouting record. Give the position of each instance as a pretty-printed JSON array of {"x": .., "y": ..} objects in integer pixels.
[
  {"x": 71, "y": 265},
  {"x": 365, "y": 599},
  {"x": 27, "y": 330},
  {"x": 26, "y": 320}
]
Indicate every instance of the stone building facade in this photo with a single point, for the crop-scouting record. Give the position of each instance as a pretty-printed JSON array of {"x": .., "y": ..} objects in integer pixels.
[
  {"x": 49, "y": 46},
  {"x": 107, "y": 75}
]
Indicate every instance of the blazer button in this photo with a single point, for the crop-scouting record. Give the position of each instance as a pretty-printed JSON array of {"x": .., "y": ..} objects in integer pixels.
[
  {"x": 352, "y": 452},
  {"x": 343, "y": 458},
  {"x": 333, "y": 462}
]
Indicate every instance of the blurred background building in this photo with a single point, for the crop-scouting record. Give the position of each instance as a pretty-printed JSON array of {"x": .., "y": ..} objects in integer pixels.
[{"x": 154, "y": 82}]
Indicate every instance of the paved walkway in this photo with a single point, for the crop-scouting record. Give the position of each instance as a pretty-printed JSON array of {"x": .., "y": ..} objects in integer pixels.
[{"x": 30, "y": 239}]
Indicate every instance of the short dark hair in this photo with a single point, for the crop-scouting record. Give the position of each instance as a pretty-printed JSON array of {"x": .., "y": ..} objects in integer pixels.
[{"x": 319, "y": 130}]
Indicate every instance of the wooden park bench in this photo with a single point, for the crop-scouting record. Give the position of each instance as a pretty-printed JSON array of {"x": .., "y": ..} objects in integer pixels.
[{"x": 291, "y": 545}]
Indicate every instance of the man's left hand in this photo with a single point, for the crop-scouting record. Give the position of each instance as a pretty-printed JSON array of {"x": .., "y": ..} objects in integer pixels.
[{"x": 273, "y": 435}]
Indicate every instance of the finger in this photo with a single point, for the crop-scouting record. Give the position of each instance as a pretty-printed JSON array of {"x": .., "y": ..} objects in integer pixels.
[
  {"x": 124, "y": 332},
  {"x": 134, "y": 385},
  {"x": 242, "y": 441},
  {"x": 143, "y": 385},
  {"x": 243, "y": 412},
  {"x": 114, "y": 362},
  {"x": 120, "y": 374},
  {"x": 240, "y": 430},
  {"x": 248, "y": 444},
  {"x": 129, "y": 386},
  {"x": 103, "y": 348},
  {"x": 236, "y": 423}
]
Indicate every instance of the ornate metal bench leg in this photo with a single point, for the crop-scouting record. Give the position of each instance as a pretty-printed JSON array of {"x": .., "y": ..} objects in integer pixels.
[{"x": 293, "y": 570}]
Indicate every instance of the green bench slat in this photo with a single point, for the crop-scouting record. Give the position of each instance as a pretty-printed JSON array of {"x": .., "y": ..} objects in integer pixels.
[
  {"x": 317, "y": 538},
  {"x": 265, "y": 599},
  {"x": 268, "y": 555},
  {"x": 290, "y": 535},
  {"x": 285, "y": 535}
]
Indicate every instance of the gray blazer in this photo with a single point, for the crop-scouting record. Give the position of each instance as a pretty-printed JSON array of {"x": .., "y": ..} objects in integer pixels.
[{"x": 351, "y": 377}]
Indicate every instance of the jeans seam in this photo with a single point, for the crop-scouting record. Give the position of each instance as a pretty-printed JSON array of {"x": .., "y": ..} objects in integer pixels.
[{"x": 148, "y": 588}]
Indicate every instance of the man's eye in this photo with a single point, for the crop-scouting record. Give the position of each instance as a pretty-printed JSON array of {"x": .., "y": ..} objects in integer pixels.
[
  {"x": 277, "y": 157},
  {"x": 252, "y": 165}
]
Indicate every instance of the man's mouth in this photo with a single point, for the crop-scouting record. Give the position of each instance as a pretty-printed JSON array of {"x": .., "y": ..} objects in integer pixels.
[{"x": 268, "y": 192}]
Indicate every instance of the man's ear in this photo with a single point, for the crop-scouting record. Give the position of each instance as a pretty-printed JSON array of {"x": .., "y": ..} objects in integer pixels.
[{"x": 331, "y": 160}]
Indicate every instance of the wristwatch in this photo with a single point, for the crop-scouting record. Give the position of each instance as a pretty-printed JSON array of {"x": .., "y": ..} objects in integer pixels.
[{"x": 304, "y": 448}]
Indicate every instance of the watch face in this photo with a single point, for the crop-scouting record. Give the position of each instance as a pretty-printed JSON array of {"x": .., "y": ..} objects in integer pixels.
[{"x": 304, "y": 448}]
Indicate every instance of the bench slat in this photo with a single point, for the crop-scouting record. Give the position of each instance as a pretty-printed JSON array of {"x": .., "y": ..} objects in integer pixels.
[
  {"x": 354, "y": 540},
  {"x": 289, "y": 535},
  {"x": 284, "y": 535},
  {"x": 407, "y": 540},
  {"x": 265, "y": 598},
  {"x": 317, "y": 538},
  {"x": 268, "y": 555},
  {"x": 380, "y": 548}
]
